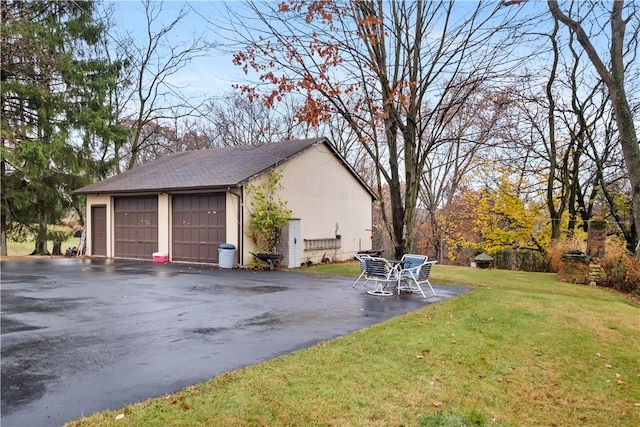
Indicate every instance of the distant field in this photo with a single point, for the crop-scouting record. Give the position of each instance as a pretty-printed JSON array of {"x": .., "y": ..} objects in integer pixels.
[{"x": 25, "y": 248}]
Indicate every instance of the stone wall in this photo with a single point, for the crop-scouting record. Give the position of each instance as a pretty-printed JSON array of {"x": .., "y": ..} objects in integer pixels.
[
  {"x": 574, "y": 270},
  {"x": 579, "y": 267},
  {"x": 596, "y": 238}
]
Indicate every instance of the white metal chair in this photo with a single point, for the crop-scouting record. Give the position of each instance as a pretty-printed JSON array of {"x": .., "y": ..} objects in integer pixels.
[
  {"x": 363, "y": 268},
  {"x": 382, "y": 272},
  {"x": 414, "y": 272}
]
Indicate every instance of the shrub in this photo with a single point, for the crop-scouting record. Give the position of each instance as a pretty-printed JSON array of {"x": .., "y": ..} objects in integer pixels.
[
  {"x": 270, "y": 214},
  {"x": 560, "y": 247},
  {"x": 622, "y": 269}
]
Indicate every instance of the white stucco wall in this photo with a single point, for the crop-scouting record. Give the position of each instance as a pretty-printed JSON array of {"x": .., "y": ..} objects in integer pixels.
[{"x": 324, "y": 195}]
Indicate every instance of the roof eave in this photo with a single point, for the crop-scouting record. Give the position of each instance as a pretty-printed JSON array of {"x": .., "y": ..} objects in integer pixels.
[{"x": 168, "y": 190}]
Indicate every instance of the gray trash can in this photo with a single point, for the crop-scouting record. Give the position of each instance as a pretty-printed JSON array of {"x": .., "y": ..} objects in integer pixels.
[{"x": 226, "y": 255}]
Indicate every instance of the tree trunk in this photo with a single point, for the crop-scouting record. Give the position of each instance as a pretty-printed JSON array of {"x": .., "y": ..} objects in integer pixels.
[
  {"x": 41, "y": 238},
  {"x": 57, "y": 248},
  {"x": 555, "y": 213},
  {"x": 3, "y": 236},
  {"x": 614, "y": 79},
  {"x": 3, "y": 218}
]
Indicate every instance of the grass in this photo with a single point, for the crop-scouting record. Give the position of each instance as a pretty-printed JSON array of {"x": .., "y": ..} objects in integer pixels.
[
  {"x": 520, "y": 349},
  {"x": 19, "y": 249}
]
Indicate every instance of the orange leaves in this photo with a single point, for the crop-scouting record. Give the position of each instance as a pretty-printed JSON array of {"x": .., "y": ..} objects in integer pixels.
[
  {"x": 329, "y": 52},
  {"x": 370, "y": 21},
  {"x": 182, "y": 401},
  {"x": 283, "y": 7},
  {"x": 322, "y": 10},
  {"x": 313, "y": 112},
  {"x": 369, "y": 29},
  {"x": 503, "y": 376}
]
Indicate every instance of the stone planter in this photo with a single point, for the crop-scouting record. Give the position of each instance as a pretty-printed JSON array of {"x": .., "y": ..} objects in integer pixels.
[{"x": 575, "y": 267}]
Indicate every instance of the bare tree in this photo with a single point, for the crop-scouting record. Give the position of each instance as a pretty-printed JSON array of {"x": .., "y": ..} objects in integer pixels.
[
  {"x": 605, "y": 153},
  {"x": 234, "y": 120},
  {"x": 394, "y": 71},
  {"x": 465, "y": 142},
  {"x": 621, "y": 43},
  {"x": 148, "y": 96}
]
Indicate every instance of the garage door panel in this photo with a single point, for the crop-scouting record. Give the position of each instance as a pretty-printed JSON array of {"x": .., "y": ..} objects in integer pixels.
[
  {"x": 196, "y": 230},
  {"x": 136, "y": 227}
]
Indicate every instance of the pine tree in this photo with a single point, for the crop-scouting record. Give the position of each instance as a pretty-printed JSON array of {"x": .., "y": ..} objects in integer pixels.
[{"x": 54, "y": 112}]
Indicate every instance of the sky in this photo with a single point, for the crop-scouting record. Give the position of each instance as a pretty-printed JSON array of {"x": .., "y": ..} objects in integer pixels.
[{"x": 212, "y": 75}]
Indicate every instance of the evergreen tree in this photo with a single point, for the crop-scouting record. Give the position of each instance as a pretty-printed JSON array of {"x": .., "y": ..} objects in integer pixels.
[{"x": 55, "y": 117}]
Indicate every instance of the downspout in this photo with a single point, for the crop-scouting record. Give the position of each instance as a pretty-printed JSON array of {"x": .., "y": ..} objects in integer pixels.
[
  {"x": 241, "y": 225},
  {"x": 240, "y": 197}
]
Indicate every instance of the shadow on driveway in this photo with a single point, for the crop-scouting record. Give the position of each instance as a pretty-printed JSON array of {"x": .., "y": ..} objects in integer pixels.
[{"x": 80, "y": 336}]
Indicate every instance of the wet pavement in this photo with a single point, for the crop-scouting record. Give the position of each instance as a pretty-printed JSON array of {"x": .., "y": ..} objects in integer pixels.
[{"x": 80, "y": 336}]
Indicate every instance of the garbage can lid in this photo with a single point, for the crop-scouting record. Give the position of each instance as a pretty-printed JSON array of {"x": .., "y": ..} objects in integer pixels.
[{"x": 226, "y": 246}]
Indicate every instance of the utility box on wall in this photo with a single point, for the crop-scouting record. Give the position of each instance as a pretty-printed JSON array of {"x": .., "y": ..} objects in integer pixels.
[{"x": 291, "y": 243}]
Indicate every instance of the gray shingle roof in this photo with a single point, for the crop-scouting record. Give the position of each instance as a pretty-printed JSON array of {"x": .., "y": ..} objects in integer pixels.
[{"x": 205, "y": 169}]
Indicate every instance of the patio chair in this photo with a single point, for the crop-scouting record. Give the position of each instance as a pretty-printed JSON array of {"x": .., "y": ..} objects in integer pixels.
[
  {"x": 363, "y": 268},
  {"x": 382, "y": 272},
  {"x": 415, "y": 271}
]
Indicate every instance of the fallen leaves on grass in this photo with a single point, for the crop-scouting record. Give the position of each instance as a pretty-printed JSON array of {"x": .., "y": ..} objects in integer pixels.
[
  {"x": 182, "y": 401},
  {"x": 503, "y": 378},
  {"x": 424, "y": 353}
]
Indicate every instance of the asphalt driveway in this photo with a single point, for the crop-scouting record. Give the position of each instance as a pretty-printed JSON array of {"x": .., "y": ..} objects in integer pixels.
[{"x": 80, "y": 336}]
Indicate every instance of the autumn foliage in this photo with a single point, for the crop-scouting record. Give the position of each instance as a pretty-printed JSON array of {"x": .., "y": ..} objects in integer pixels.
[{"x": 622, "y": 269}]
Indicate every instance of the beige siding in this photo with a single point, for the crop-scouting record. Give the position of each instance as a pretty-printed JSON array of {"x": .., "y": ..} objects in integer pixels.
[
  {"x": 164, "y": 223},
  {"x": 324, "y": 195},
  {"x": 233, "y": 203},
  {"x": 318, "y": 188}
]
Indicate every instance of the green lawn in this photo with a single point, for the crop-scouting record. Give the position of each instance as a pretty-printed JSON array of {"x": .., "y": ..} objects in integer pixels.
[
  {"x": 520, "y": 349},
  {"x": 18, "y": 249}
]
